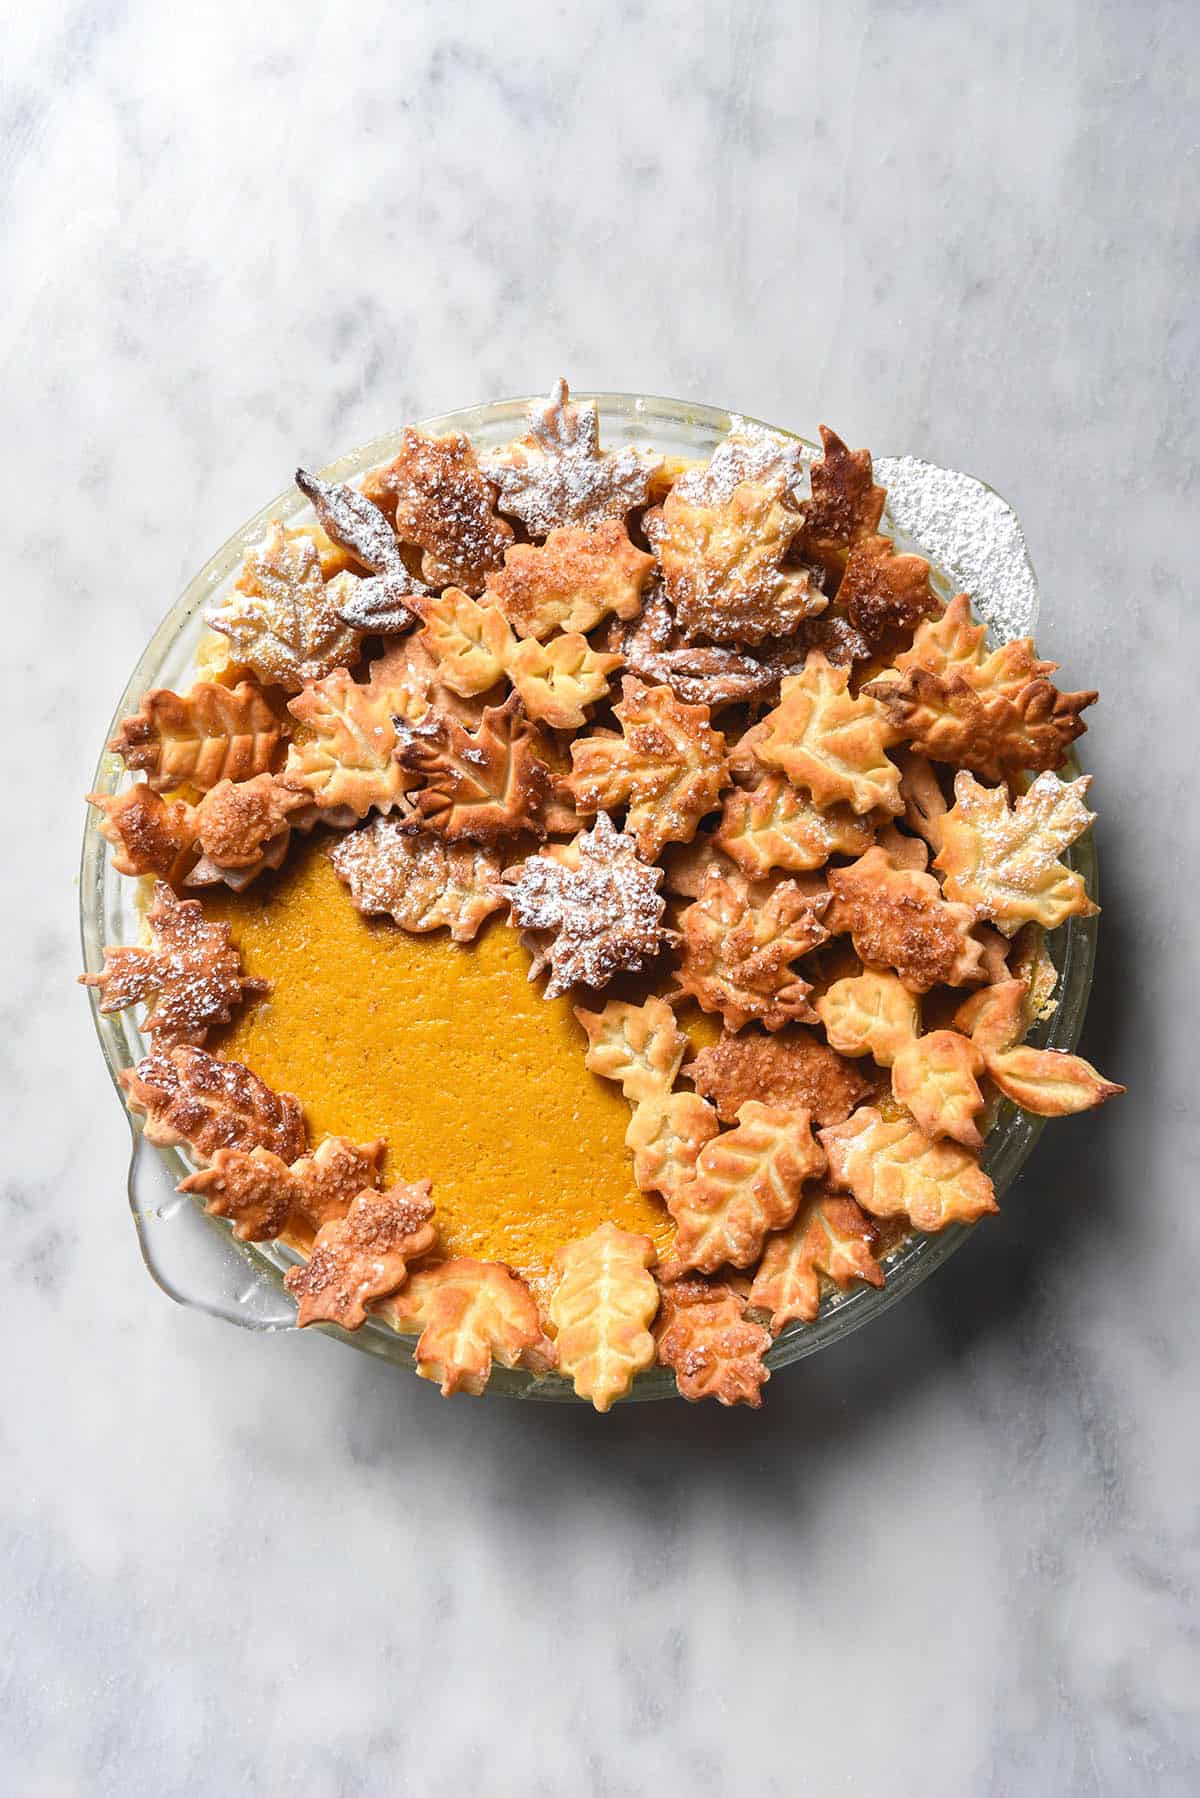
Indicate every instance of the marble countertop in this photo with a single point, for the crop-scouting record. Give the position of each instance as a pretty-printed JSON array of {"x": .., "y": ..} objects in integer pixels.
[{"x": 958, "y": 1554}]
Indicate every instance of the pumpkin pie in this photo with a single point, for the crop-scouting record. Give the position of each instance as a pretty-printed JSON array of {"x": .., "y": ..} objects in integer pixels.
[{"x": 594, "y": 907}]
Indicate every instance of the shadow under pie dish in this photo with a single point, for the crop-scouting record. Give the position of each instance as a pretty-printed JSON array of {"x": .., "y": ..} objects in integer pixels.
[{"x": 586, "y": 900}]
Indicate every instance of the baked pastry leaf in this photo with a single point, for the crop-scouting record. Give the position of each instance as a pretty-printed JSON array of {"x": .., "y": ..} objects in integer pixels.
[
  {"x": 1002, "y": 859},
  {"x": 666, "y": 1134},
  {"x": 595, "y": 908},
  {"x": 724, "y": 568},
  {"x": 845, "y": 506},
  {"x": 831, "y": 1235},
  {"x": 881, "y": 591},
  {"x": 188, "y": 1096},
  {"x": 241, "y": 828},
  {"x": 420, "y": 881},
  {"x": 572, "y": 581},
  {"x": 282, "y": 618},
  {"x": 601, "y": 1311},
  {"x": 1047, "y": 1082},
  {"x": 897, "y": 918},
  {"x": 830, "y": 741},
  {"x": 639, "y": 1046},
  {"x": 792, "y": 1067},
  {"x": 668, "y": 767},
  {"x": 476, "y": 785},
  {"x": 748, "y": 1182},
  {"x": 357, "y": 525},
  {"x": 713, "y": 1348},
  {"x": 894, "y": 1170},
  {"x": 151, "y": 835},
  {"x": 872, "y": 1013},
  {"x": 346, "y": 757},
  {"x": 190, "y": 978},
  {"x": 936, "y": 1078},
  {"x": 470, "y": 1314},
  {"x": 774, "y": 825},
  {"x": 264, "y": 1197},
  {"x": 558, "y": 475},
  {"x": 363, "y": 1256},
  {"x": 208, "y": 734},
  {"x": 439, "y": 501},
  {"x": 702, "y": 673},
  {"x": 738, "y": 945}
]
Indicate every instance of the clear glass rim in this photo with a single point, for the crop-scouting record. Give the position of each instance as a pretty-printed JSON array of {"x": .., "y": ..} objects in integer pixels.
[{"x": 1009, "y": 1144}]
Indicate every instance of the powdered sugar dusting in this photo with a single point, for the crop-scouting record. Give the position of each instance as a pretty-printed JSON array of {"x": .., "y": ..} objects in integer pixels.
[{"x": 749, "y": 453}]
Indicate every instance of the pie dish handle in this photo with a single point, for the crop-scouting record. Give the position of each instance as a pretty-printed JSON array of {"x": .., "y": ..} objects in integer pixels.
[{"x": 194, "y": 1259}]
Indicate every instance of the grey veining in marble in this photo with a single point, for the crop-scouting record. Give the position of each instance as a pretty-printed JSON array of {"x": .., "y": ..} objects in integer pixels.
[{"x": 957, "y": 1556}]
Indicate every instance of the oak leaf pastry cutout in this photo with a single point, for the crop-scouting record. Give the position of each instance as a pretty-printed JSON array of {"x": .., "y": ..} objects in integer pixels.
[
  {"x": 470, "y": 1314},
  {"x": 421, "y": 882},
  {"x": 713, "y": 1348},
  {"x": 1003, "y": 861},
  {"x": 475, "y": 647},
  {"x": 1047, "y": 1082},
  {"x": 739, "y": 943},
  {"x": 242, "y": 828},
  {"x": 188, "y": 1096},
  {"x": 881, "y": 591},
  {"x": 282, "y": 618},
  {"x": 363, "y": 1256},
  {"x": 558, "y": 475},
  {"x": 897, "y": 918},
  {"x": 190, "y": 978},
  {"x": 832, "y": 1236},
  {"x": 792, "y": 1067},
  {"x": 936, "y": 1078},
  {"x": 641, "y": 1047},
  {"x": 150, "y": 834},
  {"x": 701, "y": 673},
  {"x": 601, "y": 1311},
  {"x": 346, "y": 759},
  {"x": 665, "y": 1136},
  {"x": 438, "y": 500},
  {"x": 598, "y": 908},
  {"x": 831, "y": 742},
  {"x": 894, "y": 1170},
  {"x": 993, "y": 713},
  {"x": 264, "y": 1197},
  {"x": 872, "y": 1013},
  {"x": 352, "y": 521},
  {"x": 572, "y": 581},
  {"x": 724, "y": 568},
  {"x": 476, "y": 785},
  {"x": 668, "y": 767},
  {"x": 748, "y": 1182},
  {"x": 198, "y": 738},
  {"x": 846, "y": 505},
  {"x": 774, "y": 825}
]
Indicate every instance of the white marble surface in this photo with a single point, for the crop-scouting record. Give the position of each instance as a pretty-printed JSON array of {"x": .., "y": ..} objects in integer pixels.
[{"x": 957, "y": 1555}]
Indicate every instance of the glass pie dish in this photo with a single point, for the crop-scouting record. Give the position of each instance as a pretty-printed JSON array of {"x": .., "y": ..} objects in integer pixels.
[{"x": 193, "y": 1256}]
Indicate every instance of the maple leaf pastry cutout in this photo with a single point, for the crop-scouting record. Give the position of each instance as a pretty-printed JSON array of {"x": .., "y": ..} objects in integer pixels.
[
  {"x": 150, "y": 834},
  {"x": 354, "y": 522},
  {"x": 263, "y": 1197},
  {"x": 724, "y": 569},
  {"x": 936, "y": 1078},
  {"x": 470, "y": 1314},
  {"x": 363, "y": 1256},
  {"x": 572, "y": 581},
  {"x": 712, "y": 1347},
  {"x": 1002, "y": 859},
  {"x": 739, "y": 943},
  {"x": 283, "y": 618},
  {"x": 558, "y": 475},
  {"x": 668, "y": 767},
  {"x": 994, "y": 713},
  {"x": 748, "y": 1181},
  {"x": 897, "y": 918},
  {"x": 792, "y": 1067},
  {"x": 188, "y": 1096},
  {"x": 595, "y": 908},
  {"x": 774, "y": 825},
  {"x": 830, "y": 741},
  {"x": 476, "y": 785},
  {"x": 1048, "y": 1082},
  {"x": 346, "y": 760},
  {"x": 601, "y": 1311},
  {"x": 846, "y": 505},
  {"x": 831, "y": 1236},
  {"x": 894, "y": 1170},
  {"x": 439, "y": 501},
  {"x": 475, "y": 647},
  {"x": 421, "y": 882},
  {"x": 199, "y": 738},
  {"x": 881, "y": 591},
  {"x": 190, "y": 978}
]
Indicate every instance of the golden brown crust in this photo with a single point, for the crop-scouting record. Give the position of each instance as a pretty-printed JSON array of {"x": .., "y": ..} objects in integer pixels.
[
  {"x": 242, "y": 827},
  {"x": 1044, "y": 1081},
  {"x": 882, "y": 592},
  {"x": 723, "y": 566},
  {"x": 793, "y": 1068},
  {"x": 666, "y": 1135},
  {"x": 705, "y": 1337},
  {"x": 935, "y": 1077},
  {"x": 416, "y": 879},
  {"x": 739, "y": 943},
  {"x": 831, "y": 1236},
  {"x": 831, "y": 742},
  {"x": 776, "y": 826},
  {"x": 641, "y": 1047},
  {"x": 748, "y": 1181},
  {"x": 558, "y": 475},
  {"x": 897, "y": 918},
  {"x": 208, "y": 734},
  {"x": 667, "y": 767},
  {"x": 439, "y": 501},
  {"x": 471, "y": 1314},
  {"x": 190, "y": 978},
  {"x": 346, "y": 760},
  {"x": 572, "y": 581},
  {"x": 894, "y": 1170},
  {"x": 188, "y": 1096},
  {"x": 601, "y": 1311},
  {"x": 477, "y": 785},
  {"x": 282, "y": 618},
  {"x": 1003, "y": 862},
  {"x": 363, "y": 1256},
  {"x": 263, "y": 1197},
  {"x": 846, "y": 505},
  {"x": 872, "y": 1013},
  {"x": 151, "y": 835}
]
